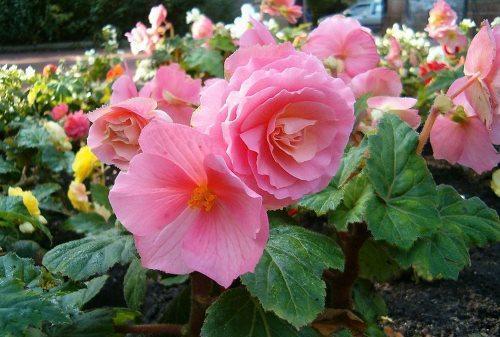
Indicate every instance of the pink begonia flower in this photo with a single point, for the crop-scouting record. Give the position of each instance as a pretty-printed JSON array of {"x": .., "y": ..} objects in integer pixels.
[
  {"x": 440, "y": 16},
  {"x": 59, "y": 111},
  {"x": 115, "y": 130},
  {"x": 464, "y": 138},
  {"x": 123, "y": 88},
  {"x": 483, "y": 61},
  {"x": 175, "y": 91},
  {"x": 285, "y": 8},
  {"x": 257, "y": 35},
  {"x": 352, "y": 51},
  {"x": 377, "y": 82},
  {"x": 202, "y": 28},
  {"x": 394, "y": 56},
  {"x": 140, "y": 40},
  {"x": 283, "y": 120},
  {"x": 76, "y": 125},
  {"x": 157, "y": 17},
  {"x": 188, "y": 212},
  {"x": 401, "y": 106},
  {"x": 452, "y": 40}
]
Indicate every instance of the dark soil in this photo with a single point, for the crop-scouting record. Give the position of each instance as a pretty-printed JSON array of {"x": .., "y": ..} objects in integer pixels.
[{"x": 467, "y": 307}]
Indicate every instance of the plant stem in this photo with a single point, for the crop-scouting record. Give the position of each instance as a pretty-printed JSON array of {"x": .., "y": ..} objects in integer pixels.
[
  {"x": 170, "y": 329},
  {"x": 426, "y": 131},
  {"x": 342, "y": 282},
  {"x": 201, "y": 289}
]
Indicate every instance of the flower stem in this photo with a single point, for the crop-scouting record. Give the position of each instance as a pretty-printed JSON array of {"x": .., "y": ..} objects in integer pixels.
[
  {"x": 426, "y": 131},
  {"x": 170, "y": 329},
  {"x": 201, "y": 290}
]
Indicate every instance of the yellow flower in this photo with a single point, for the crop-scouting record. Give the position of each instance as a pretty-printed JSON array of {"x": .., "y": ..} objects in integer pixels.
[
  {"x": 84, "y": 163},
  {"x": 77, "y": 195},
  {"x": 495, "y": 182},
  {"x": 29, "y": 200}
]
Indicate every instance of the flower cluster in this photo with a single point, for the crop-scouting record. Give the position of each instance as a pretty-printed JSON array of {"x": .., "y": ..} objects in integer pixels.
[
  {"x": 284, "y": 8},
  {"x": 443, "y": 28},
  {"x": 76, "y": 124},
  {"x": 144, "y": 39}
]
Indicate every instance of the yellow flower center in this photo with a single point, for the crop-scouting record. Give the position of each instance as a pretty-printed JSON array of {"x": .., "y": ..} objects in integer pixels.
[{"x": 202, "y": 198}]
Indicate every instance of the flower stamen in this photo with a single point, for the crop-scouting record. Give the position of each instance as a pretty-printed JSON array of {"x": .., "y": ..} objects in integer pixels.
[{"x": 202, "y": 198}]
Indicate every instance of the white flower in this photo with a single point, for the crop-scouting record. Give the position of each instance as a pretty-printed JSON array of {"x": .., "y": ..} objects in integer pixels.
[
  {"x": 193, "y": 15},
  {"x": 241, "y": 23},
  {"x": 30, "y": 72},
  {"x": 57, "y": 135},
  {"x": 26, "y": 228}
]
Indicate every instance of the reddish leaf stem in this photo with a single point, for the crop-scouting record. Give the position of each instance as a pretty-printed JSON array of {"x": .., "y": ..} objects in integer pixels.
[{"x": 170, "y": 329}]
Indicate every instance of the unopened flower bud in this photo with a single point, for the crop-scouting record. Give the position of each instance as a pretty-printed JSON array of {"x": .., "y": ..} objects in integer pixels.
[
  {"x": 459, "y": 115},
  {"x": 443, "y": 103},
  {"x": 26, "y": 228}
]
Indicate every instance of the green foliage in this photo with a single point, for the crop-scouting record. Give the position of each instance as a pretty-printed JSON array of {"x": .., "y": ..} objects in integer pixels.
[
  {"x": 287, "y": 280},
  {"x": 376, "y": 264},
  {"x": 324, "y": 201},
  {"x": 237, "y": 314},
  {"x": 367, "y": 302},
  {"x": 204, "y": 60},
  {"x": 87, "y": 223},
  {"x": 134, "y": 285},
  {"x": 81, "y": 259},
  {"x": 405, "y": 206}
]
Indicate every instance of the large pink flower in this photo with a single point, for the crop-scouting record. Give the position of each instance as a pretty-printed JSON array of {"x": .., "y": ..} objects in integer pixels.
[
  {"x": 377, "y": 82},
  {"x": 283, "y": 119},
  {"x": 285, "y": 8},
  {"x": 157, "y": 17},
  {"x": 345, "y": 43},
  {"x": 462, "y": 137},
  {"x": 257, "y": 35},
  {"x": 175, "y": 91},
  {"x": 441, "y": 16},
  {"x": 401, "y": 106},
  {"x": 115, "y": 130},
  {"x": 188, "y": 212},
  {"x": 59, "y": 111},
  {"x": 202, "y": 28},
  {"x": 483, "y": 62},
  {"x": 140, "y": 40},
  {"x": 76, "y": 125}
]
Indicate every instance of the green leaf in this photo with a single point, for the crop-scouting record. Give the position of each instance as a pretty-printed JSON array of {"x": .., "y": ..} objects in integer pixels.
[
  {"x": 478, "y": 223},
  {"x": 33, "y": 136},
  {"x": 93, "y": 255},
  {"x": 287, "y": 279},
  {"x": 376, "y": 264},
  {"x": 174, "y": 280},
  {"x": 205, "y": 60},
  {"x": 21, "y": 308},
  {"x": 6, "y": 167},
  {"x": 360, "y": 106},
  {"x": 95, "y": 323},
  {"x": 134, "y": 285},
  {"x": 80, "y": 297},
  {"x": 368, "y": 302},
  {"x": 14, "y": 267},
  {"x": 87, "y": 223},
  {"x": 405, "y": 206},
  {"x": 43, "y": 191},
  {"x": 443, "y": 79},
  {"x": 100, "y": 195},
  {"x": 324, "y": 201},
  {"x": 351, "y": 163},
  {"x": 443, "y": 255},
  {"x": 357, "y": 194},
  {"x": 55, "y": 160},
  {"x": 237, "y": 314},
  {"x": 222, "y": 42}
]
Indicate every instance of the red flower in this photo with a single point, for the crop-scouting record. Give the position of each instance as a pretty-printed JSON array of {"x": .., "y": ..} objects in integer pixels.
[
  {"x": 428, "y": 70},
  {"x": 76, "y": 125},
  {"x": 49, "y": 69},
  {"x": 116, "y": 71}
]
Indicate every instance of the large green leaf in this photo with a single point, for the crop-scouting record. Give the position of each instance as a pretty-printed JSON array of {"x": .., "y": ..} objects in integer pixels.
[
  {"x": 14, "y": 267},
  {"x": 357, "y": 194},
  {"x": 478, "y": 223},
  {"x": 368, "y": 302},
  {"x": 287, "y": 279},
  {"x": 134, "y": 285},
  {"x": 351, "y": 162},
  {"x": 405, "y": 206},
  {"x": 6, "y": 166},
  {"x": 81, "y": 259},
  {"x": 87, "y": 223},
  {"x": 80, "y": 297},
  {"x": 43, "y": 191},
  {"x": 100, "y": 195},
  {"x": 21, "y": 308},
  {"x": 32, "y": 136},
  {"x": 442, "y": 255},
  {"x": 96, "y": 323},
  {"x": 375, "y": 263},
  {"x": 324, "y": 201},
  {"x": 206, "y": 61},
  {"x": 237, "y": 314}
]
